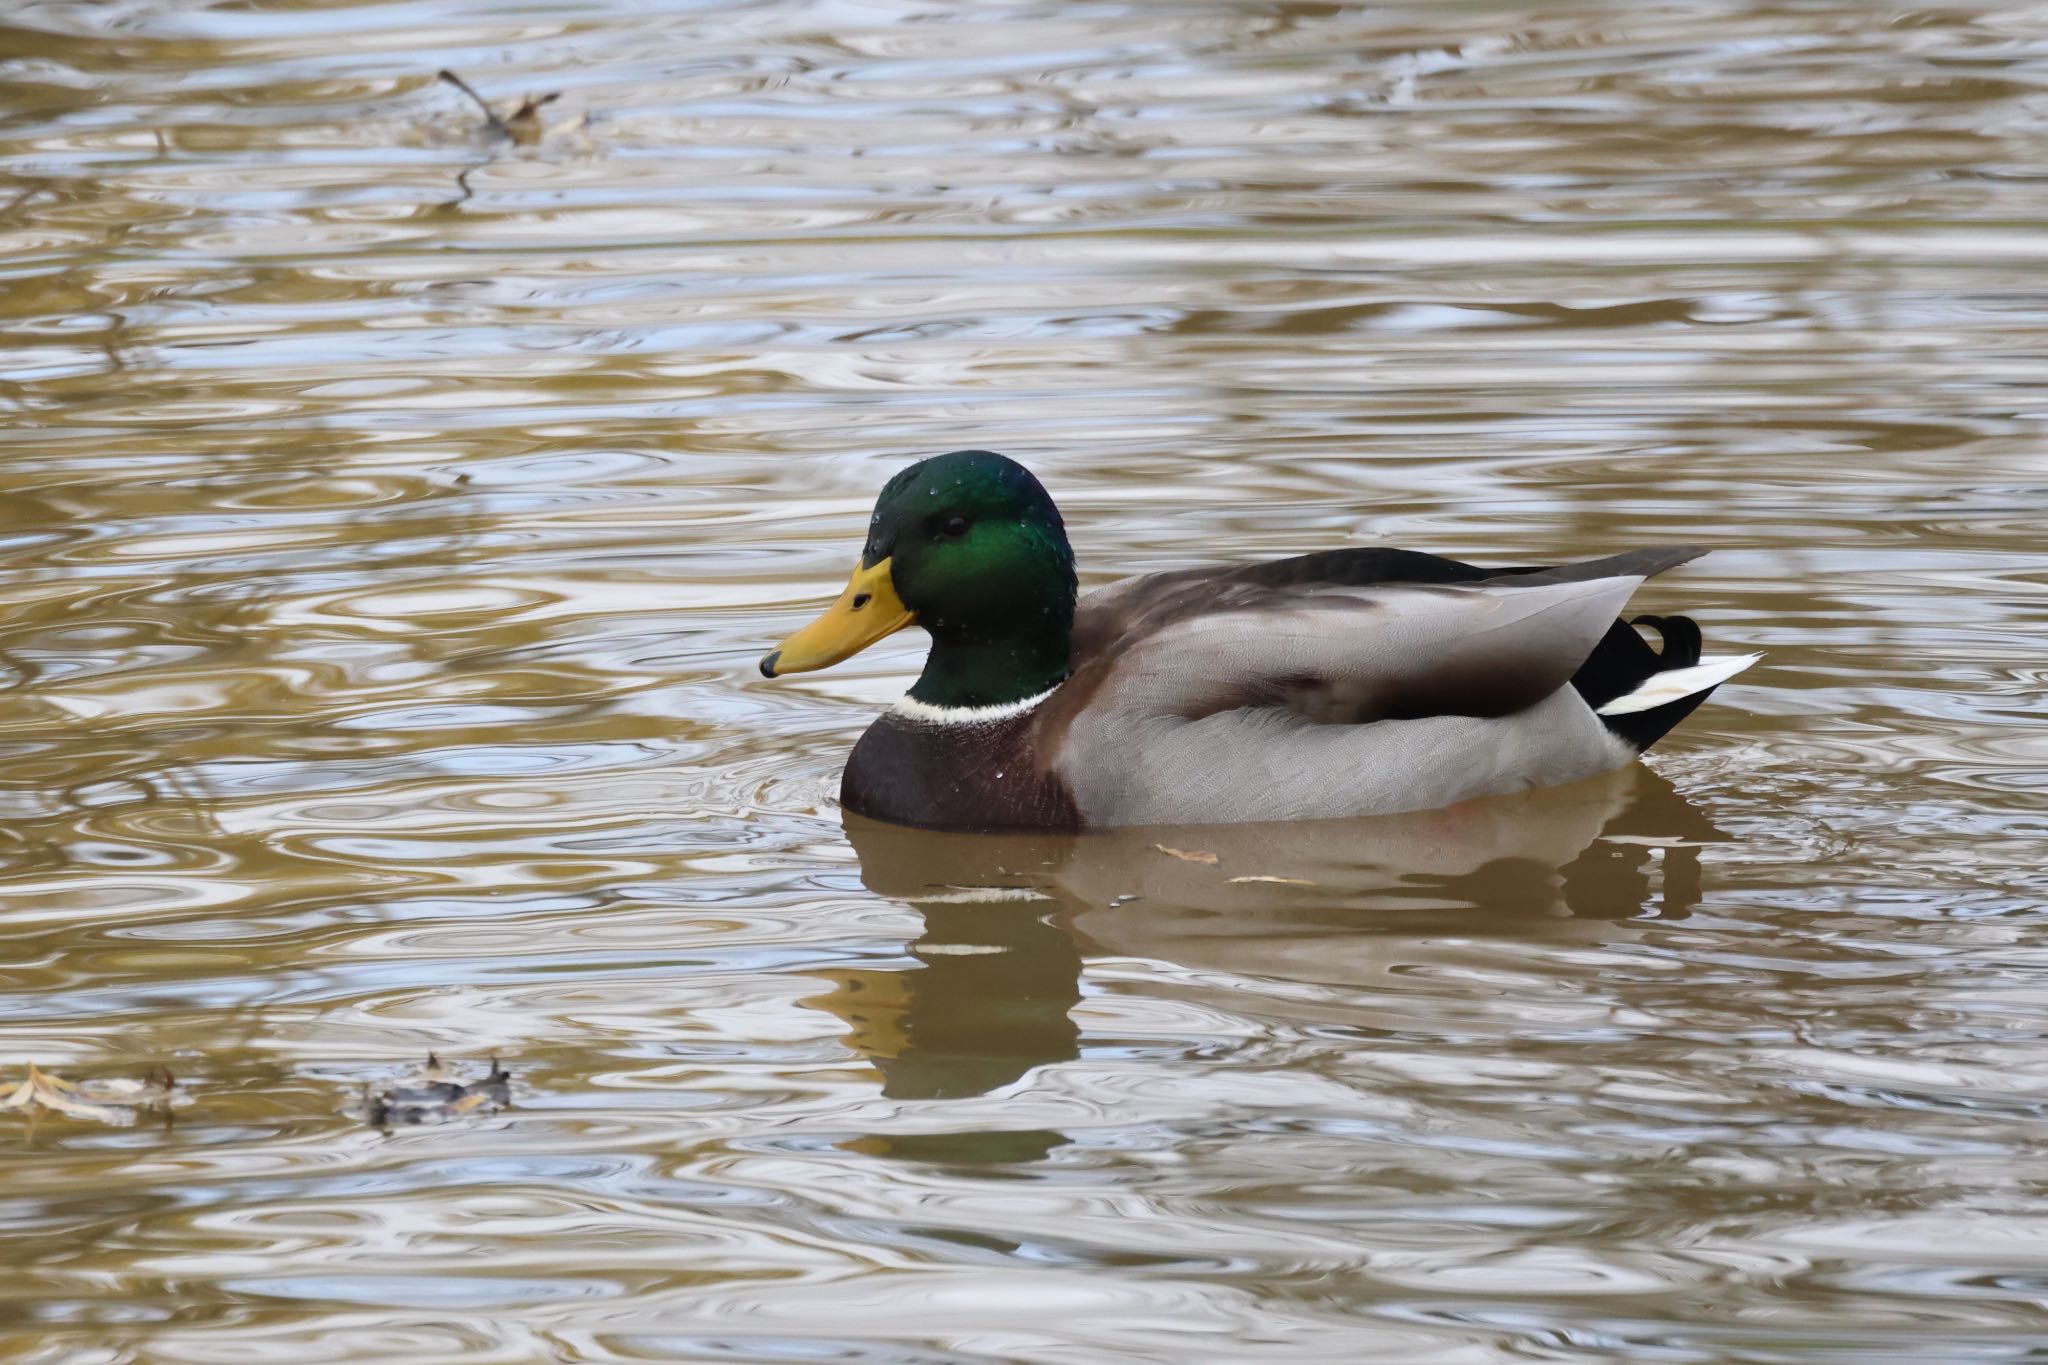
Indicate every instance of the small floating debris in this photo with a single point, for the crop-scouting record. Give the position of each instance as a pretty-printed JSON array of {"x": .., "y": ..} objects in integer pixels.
[
  {"x": 436, "y": 1094},
  {"x": 522, "y": 125},
  {"x": 115, "y": 1100},
  {"x": 524, "y": 122},
  {"x": 1208, "y": 859}
]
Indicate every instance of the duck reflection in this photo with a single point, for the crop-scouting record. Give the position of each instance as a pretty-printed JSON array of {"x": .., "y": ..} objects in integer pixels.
[
  {"x": 1009, "y": 919},
  {"x": 987, "y": 1001}
]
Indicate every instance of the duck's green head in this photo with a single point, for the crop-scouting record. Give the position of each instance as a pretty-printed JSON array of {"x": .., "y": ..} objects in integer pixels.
[{"x": 969, "y": 546}]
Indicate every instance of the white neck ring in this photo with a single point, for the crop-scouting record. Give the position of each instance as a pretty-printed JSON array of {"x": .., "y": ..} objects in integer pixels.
[{"x": 911, "y": 708}]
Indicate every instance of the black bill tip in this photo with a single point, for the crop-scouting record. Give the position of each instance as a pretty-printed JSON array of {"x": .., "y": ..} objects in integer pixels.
[{"x": 768, "y": 663}]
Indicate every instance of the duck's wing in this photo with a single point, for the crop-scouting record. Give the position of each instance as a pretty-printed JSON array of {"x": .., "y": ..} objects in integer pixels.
[
  {"x": 1210, "y": 686},
  {"x": 1289, "y": 633},
  {"x": 1106, "y": 617}
]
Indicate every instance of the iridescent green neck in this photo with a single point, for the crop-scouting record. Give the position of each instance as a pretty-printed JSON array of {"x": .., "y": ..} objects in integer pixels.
[{"x": 1018, "y": 658}]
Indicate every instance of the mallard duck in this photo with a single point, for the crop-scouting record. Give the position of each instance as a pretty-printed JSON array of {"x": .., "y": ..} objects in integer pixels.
[{"x": 1342, "y": 683}]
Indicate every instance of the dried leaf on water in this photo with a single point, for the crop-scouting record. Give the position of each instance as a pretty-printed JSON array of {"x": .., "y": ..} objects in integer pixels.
[
  {"x": 115, "y": 1100},
  {"x": 524, "y": 126},
  {"x": 1188, "y": 855},
  {"x": 436, "y": 1093}
]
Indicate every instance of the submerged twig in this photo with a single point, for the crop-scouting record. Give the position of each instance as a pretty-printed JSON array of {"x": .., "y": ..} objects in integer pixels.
[
  {"x": 491, "y": 119},
  {"x": 461, "y": 183},
  {"x": 523, "y": 127}
]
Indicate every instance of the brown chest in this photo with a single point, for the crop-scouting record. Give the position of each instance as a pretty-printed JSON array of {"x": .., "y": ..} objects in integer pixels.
[{"x": 980, "y": 776}]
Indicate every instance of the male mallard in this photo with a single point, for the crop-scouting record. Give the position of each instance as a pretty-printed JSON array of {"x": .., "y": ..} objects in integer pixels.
[{"x": 1349, "y": 682}]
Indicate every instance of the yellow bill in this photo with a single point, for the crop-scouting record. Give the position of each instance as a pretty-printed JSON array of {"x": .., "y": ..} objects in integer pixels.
[{"x": 868, "y": 610}]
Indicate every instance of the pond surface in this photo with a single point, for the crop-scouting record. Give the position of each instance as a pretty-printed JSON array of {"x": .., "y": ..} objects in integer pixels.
[{"x": 393, "y": 517}]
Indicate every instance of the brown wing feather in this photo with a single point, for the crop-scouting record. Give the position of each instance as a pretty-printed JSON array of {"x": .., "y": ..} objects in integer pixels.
[
  {"x": 1140, "y": 605},
  {"x": 1304, "y": 596}
]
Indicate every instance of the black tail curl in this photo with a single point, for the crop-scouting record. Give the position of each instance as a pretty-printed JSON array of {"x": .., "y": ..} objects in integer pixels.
[{"x": 1623, "y": 661}]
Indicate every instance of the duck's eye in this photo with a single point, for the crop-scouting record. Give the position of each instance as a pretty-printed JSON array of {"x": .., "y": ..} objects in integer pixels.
[{"x": 953, "y": 526}]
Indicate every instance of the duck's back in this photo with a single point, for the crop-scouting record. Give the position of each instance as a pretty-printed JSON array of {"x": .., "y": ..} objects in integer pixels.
[
  {"x": 1620, "y": 662},
  {"x": 1352, "y": 683}
]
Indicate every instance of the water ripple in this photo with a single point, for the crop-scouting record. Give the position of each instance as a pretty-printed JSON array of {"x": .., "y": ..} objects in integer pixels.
[{"x": 393, "y": 519}]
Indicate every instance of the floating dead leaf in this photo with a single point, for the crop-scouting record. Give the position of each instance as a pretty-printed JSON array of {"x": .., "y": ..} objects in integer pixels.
[
  {"x": 1277, "y": 881},
  {"x": 524, "y": 124},
  {"x": 435, "y": 1093},
  {"x": 1188, "y": 855},
  {"x": 116, "y": 1100}
]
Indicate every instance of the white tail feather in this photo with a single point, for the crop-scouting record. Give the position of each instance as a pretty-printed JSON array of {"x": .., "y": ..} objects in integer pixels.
[{"x": 1674, "y": 683}]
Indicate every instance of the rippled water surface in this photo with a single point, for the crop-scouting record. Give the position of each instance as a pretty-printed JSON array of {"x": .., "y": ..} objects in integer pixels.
[{"x": 392, "y": 516}]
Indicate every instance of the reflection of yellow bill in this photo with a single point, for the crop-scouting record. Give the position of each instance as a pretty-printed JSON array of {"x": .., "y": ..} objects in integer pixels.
[{"x": 868, "y": 610}]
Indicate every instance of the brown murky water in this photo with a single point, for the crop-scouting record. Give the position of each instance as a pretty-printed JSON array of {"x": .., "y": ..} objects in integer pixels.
[{"x": 392, "y": 519}]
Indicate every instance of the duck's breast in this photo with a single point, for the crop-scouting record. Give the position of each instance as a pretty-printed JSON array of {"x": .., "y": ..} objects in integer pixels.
[{"x": 978, "y": 775}]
